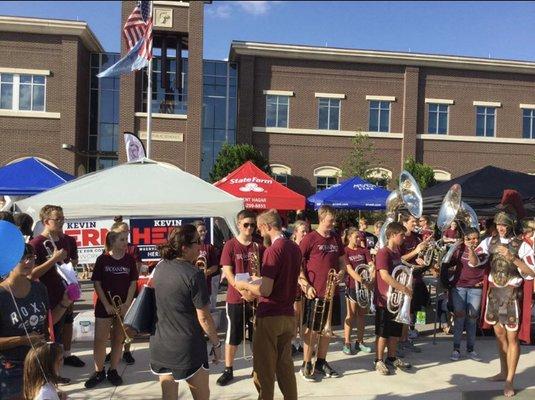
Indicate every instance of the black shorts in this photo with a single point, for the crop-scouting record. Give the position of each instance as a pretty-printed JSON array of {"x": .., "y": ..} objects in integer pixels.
[
  {"x": 178, "y": 374},
  {"x": 308, "y": 311},
  {"x": 69, "y": 317},
  {"x": 235, "y": 326},
  {"x": 385, "y": 326},
  {"x": 351, "y": 294},
  {"x": 420, "y": 296}
]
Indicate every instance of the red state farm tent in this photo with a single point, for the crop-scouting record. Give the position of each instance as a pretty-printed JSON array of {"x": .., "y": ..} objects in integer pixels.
[{"x": 259, "y": 190}]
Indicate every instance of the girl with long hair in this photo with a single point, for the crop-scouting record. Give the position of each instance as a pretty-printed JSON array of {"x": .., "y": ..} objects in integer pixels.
[{"x": 41, "y": 372}]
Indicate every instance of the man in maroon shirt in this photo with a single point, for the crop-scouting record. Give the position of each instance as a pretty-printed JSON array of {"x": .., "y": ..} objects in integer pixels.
[
  {"x": 211, "y": 254},
  {"x": 322, "y": 250},
  {"x": 63, "y": 250},
  {"x": 237, "y": 257},
  {"x": 274, "y": 327},
  {"x": 387, "y": 330},
  {"x": 410, "y": 251}
]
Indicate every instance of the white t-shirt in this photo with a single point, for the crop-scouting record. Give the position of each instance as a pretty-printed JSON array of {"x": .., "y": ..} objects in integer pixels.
[
  {"x": 525, "y": 253},
  {"x": 47, "y": 392}
]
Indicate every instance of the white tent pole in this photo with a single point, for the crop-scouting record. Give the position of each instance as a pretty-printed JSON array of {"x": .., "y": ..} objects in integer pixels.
[{"x": 149, "y": 101}]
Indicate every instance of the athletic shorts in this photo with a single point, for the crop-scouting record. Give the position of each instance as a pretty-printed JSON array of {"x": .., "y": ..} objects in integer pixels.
[
  {"x": 178, "y": 374},
  {"x": 69, "y": 316},
  {"x": 385, "y": 326},
  {"x": 235, "y": 326},
  {"x": 351, "y": 294}
]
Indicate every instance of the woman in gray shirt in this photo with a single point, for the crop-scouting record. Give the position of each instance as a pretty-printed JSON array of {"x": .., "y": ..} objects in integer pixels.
[{"x": 177, "y": 348}]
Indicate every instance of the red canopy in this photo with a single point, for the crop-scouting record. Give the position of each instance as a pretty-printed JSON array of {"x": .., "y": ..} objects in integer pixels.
[{"x": 259, "y": 190}]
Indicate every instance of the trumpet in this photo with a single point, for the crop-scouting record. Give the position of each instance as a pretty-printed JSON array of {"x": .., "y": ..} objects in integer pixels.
[
  {"x": 363, "y": 294},
  {"x": 202, "y": 264},
  {"x": 398, "y": 302},
  {"x": 116, "y": 303}
]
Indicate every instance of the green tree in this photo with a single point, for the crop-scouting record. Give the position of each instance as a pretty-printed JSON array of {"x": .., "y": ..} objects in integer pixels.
[
  {"x": 232, "y": 156},
  {"x": 423, "y": 173},
  {"x": 362, "y": 161}
]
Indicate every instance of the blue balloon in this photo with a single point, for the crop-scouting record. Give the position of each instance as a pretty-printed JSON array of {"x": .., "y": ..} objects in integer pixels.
[{"x": 11, "y": 247}]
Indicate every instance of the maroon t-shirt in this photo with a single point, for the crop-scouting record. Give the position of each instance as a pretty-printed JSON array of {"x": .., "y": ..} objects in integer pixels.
[
  {"x": 355, "y": 257},
  {"x": 282, "y": 263},
  {"x": 409, "y": 244},
  {"x": 385, "y": 259},
  {"x": 55, "y": 285},
  {"x": 426, "y": 233},
  {"x": 320, "y": 254},
  {"x": 450, "y": 234},
  {"x": 211, "y": 254},
  {"x": 114, "y": 277},
  {"x": 238, "y": 256},
  {"x": 466, "y": 276}
]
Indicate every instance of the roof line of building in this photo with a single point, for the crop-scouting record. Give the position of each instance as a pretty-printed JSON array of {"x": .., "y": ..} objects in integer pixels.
[
  {"x": 52, "y": 27},
  {"x": 375, "y": 56}
]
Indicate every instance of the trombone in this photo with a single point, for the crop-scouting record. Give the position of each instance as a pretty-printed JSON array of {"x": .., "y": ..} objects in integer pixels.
[
  {"x": 254, "y": 270},
  {"x": 116, "y": 303}
]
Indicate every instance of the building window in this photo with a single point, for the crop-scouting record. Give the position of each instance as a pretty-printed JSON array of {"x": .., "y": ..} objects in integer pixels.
[
  {"x": 379, "y": 116},
  {"x": 329, "y": 114},
  {"x": 326, "y": 177},
  {"x": 528, "y": 126},
  {"x": 22, "y": 92},
  {"x": 438, "y": 119},
  {"x": 280, "y": 173},
  {"x": 442, "y": 176},
  {"x": 277, "y": 111},
  {"x": 485, "y": 121},
  {"x": 379, "y": 176}
]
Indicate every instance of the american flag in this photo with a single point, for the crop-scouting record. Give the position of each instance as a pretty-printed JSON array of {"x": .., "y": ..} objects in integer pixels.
[{"x": 139, "y": 26}]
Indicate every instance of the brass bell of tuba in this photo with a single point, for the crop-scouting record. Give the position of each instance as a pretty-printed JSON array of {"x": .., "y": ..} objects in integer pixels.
[{"x": 408, "y": 196}]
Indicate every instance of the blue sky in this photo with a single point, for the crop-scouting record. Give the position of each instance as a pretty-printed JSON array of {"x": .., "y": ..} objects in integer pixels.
[{"x": 482, "y": 29}]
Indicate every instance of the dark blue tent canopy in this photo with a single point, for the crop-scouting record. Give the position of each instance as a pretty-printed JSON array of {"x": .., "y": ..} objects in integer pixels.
[
  {"x": 30, "y": 176},
  {"x": 352, "y": 194}
]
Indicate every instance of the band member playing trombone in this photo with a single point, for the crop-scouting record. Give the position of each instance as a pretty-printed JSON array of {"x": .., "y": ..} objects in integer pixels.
[
  {"x": 237, "y": 257},
  {"x": 209, "y": 256},
  {"x": 322, "y": 251},
  {"x": 115, "y": 277},
  {"x": 387, "y": 330},
  {"x": 359, "y": 287},
  {"x": 274, "y": 326},
  {"x": 507, "y": 292}
]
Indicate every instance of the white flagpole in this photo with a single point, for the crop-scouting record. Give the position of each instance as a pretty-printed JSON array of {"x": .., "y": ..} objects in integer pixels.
[{"x": 149, "y": 100}]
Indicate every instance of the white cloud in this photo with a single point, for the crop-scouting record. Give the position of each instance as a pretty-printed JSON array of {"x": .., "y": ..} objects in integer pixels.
[{"x": 224, "y": 9}]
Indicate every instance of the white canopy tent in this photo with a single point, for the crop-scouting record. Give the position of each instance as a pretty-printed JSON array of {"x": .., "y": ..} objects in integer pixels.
[{"x": 141, "y": 189}]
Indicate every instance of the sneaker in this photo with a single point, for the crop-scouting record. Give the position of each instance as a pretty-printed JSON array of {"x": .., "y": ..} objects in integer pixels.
[
  {"x": 398, "y": 364},
  {"x": 128, "y": 359},
  {"x": 294, "y": 350},
  {"x": 324, "y": 369},
  {"x": 400, "y": 351},
  {"x": 455, "y": 355},
  {"x": 73, "y": 361},
  {"x": 114, "y": 377},
  {"x": 381, "y": 367},
  {"x": 308, "y": 373},
  {"x": 363, "y": 347},
  {"x": 409, "y": 345},
  {"x": 474, "y": 356},
  {"x": 63, "y": 381},
  {"x": 107, "y": 360},
  {"x": 225, "y": 377},
  {"x": 95, "y": 379},
  {"x": 347, "y": 350},
  {"x": 413, "y": 334}
]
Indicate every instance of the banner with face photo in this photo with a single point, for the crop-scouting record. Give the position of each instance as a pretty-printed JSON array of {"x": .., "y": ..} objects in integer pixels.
[{"x": 148, "y": 233}]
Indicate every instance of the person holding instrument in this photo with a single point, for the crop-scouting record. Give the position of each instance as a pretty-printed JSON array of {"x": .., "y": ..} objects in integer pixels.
[{"x": 115, "y": 274}]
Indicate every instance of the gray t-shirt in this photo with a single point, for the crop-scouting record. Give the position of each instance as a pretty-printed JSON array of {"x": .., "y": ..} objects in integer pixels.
[
  {"x": 33, "y": 311},
  {"x": 178, "y": 341}
]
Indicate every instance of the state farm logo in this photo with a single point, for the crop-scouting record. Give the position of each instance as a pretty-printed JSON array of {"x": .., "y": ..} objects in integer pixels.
[{"x": 251, "y": 187}]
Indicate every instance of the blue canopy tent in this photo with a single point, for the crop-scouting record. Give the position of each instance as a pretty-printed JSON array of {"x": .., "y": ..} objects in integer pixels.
[
  {"x": 30, "y": 176},
  {"x": 352, "y": 194}
]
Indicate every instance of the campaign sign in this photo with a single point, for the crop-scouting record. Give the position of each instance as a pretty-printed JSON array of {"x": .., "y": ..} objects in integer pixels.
[
  {"x": 90, "y": 235},
  {"x": 148, "y": 234}
]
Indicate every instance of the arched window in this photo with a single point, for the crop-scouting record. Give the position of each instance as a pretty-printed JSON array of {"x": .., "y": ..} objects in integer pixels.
[
  {"x": 326, "y": 177},
  {"x": 280, "y": 173},
  {"x": 442, "y": 176},
  {"x": 379, "y": 176},
  {"x": 39, "y": 158}
]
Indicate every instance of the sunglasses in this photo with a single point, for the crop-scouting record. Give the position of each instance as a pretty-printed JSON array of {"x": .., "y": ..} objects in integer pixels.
[{"x": 249, "y": 225}]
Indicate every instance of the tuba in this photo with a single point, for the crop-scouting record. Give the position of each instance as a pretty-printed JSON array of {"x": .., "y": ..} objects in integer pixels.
[
  {"x": 397, "y": 302},
  {"x": 408, "y": 196},
  {"x": 363, "y": 294}
]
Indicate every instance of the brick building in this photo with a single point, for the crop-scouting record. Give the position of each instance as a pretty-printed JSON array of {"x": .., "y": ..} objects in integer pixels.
[{"x": 302, "y": 105}]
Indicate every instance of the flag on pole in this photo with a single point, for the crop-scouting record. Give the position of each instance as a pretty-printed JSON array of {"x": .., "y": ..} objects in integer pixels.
[
  {"x": 137, "y": 33},
  {"x": 135, "y": 151}
]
